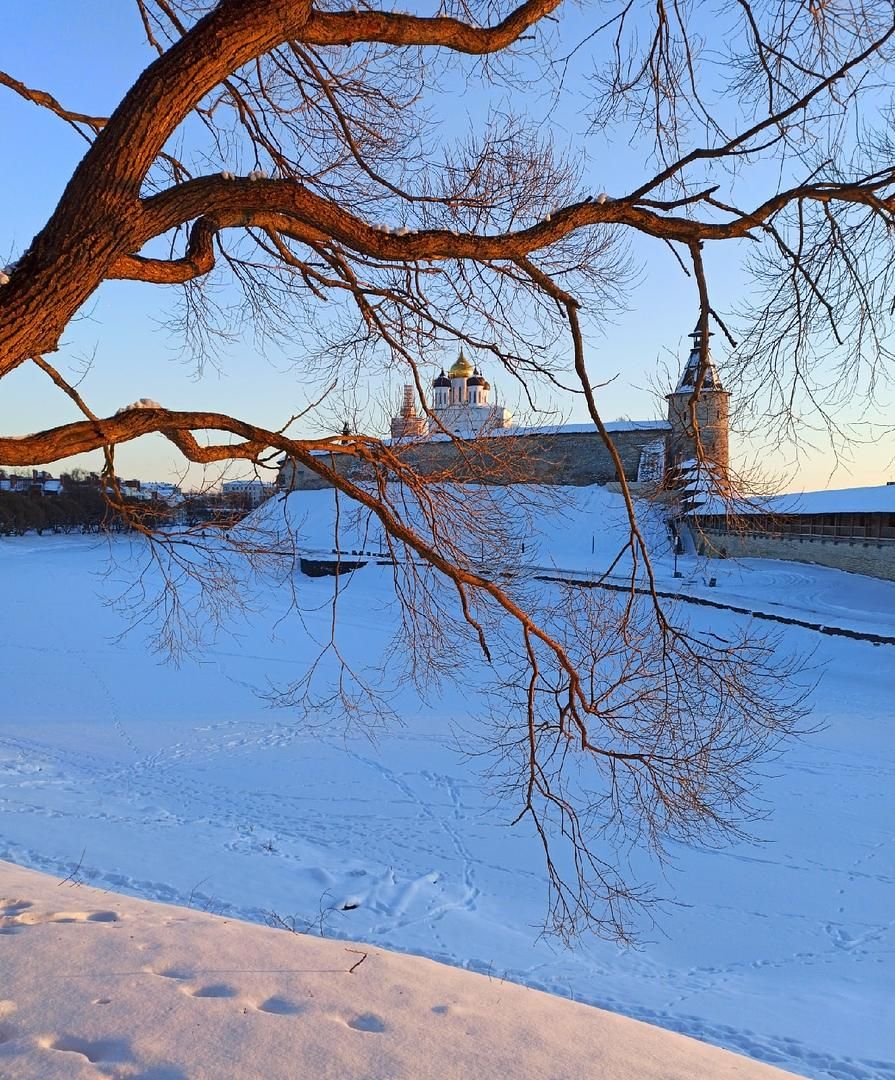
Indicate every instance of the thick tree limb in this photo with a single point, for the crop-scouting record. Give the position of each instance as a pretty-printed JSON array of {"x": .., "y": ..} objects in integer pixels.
[
  {"x": 97, "y": 219},
  {"x": 344, "y": 28},
  {"x": 290, "y": 208},
  {"x": 82, "y": 436}
]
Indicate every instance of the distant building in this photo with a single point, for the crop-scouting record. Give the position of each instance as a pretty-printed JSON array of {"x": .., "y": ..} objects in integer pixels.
[
  {"x": 461, "y": 402},
  {"x": 711, "y": 410},
  {"x": 464, "y": 436},
  {"x": 408, "y": 424},
  {"x": 459, "y": 405},
  {"x": 37, "y": 482},
  {"x": 164, "y": 492},
  {"x": 250, "y": 492}
]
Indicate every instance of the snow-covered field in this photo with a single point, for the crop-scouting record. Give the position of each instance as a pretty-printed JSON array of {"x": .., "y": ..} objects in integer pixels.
[{"x": 180, "y": 784}]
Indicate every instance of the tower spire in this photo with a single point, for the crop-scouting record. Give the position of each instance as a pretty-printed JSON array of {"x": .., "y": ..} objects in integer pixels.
[
  {"x": 690, "y": 375},
  {"x": 699, "y": 428}
]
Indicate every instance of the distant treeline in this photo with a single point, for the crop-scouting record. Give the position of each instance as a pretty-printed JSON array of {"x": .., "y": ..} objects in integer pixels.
[{"x": 80, "y": 508}]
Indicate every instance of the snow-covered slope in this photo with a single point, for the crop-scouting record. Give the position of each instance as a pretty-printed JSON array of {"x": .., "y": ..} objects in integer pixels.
[
  {"x": 571, "y": 527},
  {"x": 583, "y": 529},
  {"x": 96, "y": 985}
]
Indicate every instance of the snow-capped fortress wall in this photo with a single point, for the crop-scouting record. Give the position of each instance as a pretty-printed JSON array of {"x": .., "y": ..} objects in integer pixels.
[
  {"x": 852, "y": 529},
  {"x": 575, "y": 455}
]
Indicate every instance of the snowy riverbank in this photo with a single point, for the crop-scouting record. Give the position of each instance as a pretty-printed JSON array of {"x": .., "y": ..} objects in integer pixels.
[{"x": 101, "y": 985}]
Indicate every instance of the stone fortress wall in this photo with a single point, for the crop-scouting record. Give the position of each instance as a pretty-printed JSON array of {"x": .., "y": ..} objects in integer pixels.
[
  {"x": 874, "y": 558},
  {"x": 485, "y": 448},
  {"x": 574, "y": 455}
]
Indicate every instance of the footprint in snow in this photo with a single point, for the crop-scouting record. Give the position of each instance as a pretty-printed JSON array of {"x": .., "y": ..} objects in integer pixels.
[
  {"x": 215, "y": 990},
  {"x": 171, "y": 973},
  {"x": 68, "y": 917},
  {"x": 113, "y": 1050},
  {"x": 7, "y": 1033},
  {"x": 15, "y": 907},
  {"x": 367, "y": 1022},
  {"x": 280, "y": 1007}
]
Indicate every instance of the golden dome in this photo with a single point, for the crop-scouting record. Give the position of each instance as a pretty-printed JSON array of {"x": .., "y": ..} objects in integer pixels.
[{"x": 461, "y": 368}]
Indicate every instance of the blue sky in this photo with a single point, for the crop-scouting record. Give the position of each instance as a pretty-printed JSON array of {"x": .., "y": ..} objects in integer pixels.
[{"x": 87, "y": 55}]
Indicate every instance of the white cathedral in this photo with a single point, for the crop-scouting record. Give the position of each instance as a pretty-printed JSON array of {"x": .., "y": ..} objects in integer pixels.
[{"x": 460, "y": 406}]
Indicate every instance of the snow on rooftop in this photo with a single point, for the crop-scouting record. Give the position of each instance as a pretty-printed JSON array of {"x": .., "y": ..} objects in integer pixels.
[
  {"x": 553, "y": 429},
  {"x": 859, "y": 500},
  {"x": 580, "y": 429}
]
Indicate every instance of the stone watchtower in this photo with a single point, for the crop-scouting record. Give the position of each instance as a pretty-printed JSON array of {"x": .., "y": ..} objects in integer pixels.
[{"x": 712, "y": 408}]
